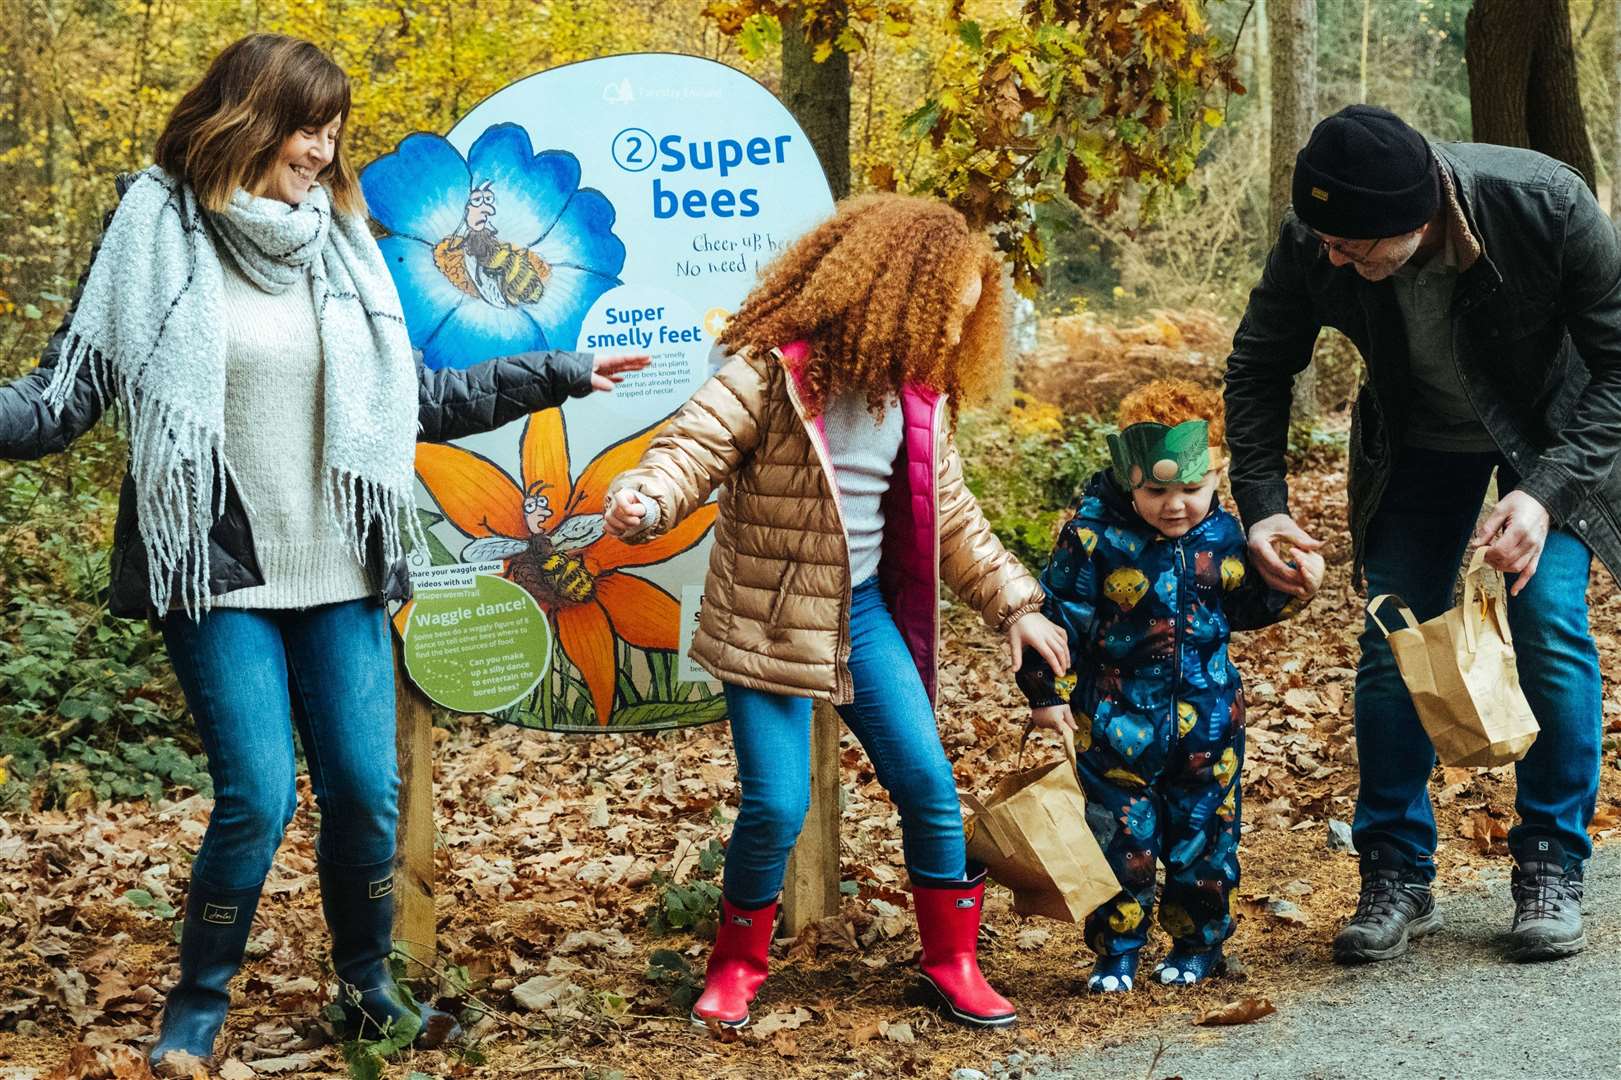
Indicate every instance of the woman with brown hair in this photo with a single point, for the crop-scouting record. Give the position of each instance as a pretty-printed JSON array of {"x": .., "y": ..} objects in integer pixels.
[
  {"x": 241, "y": 315},
  {"x": 842, "y": 507}
]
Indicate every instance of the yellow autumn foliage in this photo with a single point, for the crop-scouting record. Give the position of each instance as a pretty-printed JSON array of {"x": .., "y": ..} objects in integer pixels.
[{"x": 85, "y": 89}]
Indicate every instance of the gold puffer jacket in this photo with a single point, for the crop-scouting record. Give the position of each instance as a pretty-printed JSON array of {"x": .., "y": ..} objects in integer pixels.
[{"x": 776, "y": 607}]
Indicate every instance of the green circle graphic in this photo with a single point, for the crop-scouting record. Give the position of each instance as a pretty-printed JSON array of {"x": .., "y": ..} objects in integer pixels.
[{"x": 480, "y": 649}]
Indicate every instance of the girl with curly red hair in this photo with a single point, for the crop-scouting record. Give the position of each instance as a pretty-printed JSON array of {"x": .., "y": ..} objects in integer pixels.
[{"x": 842, "y": 507}]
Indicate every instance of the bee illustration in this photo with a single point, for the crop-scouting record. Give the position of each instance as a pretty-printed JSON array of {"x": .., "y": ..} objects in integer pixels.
[
  {"x": 479, "y": 263},
  {"x": 544, "y": 565}
]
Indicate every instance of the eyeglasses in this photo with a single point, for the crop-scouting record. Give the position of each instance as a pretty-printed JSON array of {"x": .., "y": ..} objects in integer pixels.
[{"x": 1338, "y": 247}]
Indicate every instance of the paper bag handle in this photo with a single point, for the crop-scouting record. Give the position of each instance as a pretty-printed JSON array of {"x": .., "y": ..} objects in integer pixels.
[
  {"x": 1477, "y": 564},
  {"x": 1472, "y": 616},
  {"x": 983, "y": 820},
  {"x": 1066, "y": 735},
  {"x": 1401, "y": 606},
  {"x": 1502, "y": 625}
]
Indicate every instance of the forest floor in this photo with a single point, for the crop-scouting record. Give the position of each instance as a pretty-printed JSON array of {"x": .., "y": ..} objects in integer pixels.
[{"x": 555, "y": 855}]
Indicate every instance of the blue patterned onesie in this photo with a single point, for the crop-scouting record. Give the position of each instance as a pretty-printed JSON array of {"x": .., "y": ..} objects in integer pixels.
[{"x": 1158, "y": 706}]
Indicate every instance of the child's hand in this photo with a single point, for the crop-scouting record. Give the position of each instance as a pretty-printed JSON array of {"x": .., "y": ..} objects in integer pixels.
[
  {"x": 1312, "y": 567},
  {"x": 1055, "y": 718},
  {"x": 1269, "y": 540},
  {"x": 1047, "y": 638},
  {"x": 609, "y": 370},
  {"x": 623, "y": 514}
]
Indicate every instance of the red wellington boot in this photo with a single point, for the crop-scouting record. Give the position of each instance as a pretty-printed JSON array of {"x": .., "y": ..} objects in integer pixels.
[
  {"x": 736, "y": 965},
  {"x": 948, "y": 923}
]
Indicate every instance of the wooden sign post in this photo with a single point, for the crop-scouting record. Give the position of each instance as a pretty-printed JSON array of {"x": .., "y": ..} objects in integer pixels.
[
  {"x": 414, "y": 925},
  {"x": 810, "y": 893},
  {"x": 812, "y": 889}
]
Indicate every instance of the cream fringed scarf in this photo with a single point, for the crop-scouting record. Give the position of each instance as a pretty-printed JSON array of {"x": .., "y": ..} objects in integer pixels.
[{"x": 148, "y": 324}]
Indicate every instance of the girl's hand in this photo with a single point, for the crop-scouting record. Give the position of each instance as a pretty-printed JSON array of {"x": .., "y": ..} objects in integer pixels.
[
  {"x": 1055, "y": 718},
  {"x": 623, "y": 514},
  {"x": 1047, "y": 638},
  {"x": 606, "y": 371}
]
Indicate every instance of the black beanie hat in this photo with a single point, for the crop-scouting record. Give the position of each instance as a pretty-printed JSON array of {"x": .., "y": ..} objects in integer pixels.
[{"x": 1365, "y": 175}]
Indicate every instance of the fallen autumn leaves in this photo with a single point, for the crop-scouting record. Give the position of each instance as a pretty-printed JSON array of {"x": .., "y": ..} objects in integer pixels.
[
  {"x": 1246, "y": 1011},
  {"x": 548, "y": 849}
]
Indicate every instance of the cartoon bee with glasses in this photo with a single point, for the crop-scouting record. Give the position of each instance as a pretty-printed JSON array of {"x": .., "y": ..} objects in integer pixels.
[
  {"x": 479, "y": 263},
  {"x": 543, "y": 565}
]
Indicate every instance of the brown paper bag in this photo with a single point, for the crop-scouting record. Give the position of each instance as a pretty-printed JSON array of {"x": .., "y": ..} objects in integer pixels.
[
  {"x": 1032, "y": 836},
  {"x": 1460, "y": 670}
]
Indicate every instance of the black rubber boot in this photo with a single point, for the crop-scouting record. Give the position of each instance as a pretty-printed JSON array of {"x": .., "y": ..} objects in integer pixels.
[
  {"x": 212, "y": 939},
  {"x": 359, "y": 906},
  {"x": 1395, "y": 908},
  {"x": 1547, "y": 903}
]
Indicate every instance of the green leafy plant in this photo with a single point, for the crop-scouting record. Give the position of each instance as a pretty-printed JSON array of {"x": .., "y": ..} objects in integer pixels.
[
  {"x": 694, "y": 905},
  {"x": 89, "y": 708},
  {"x": 1026, "y": 472},
  {"x": 1311, "y": 443},
  {"x": 1036, "y": 102},
  {"x": 670, "y": 969},
  {"x": 147, "y": 770},
  {"x": 367, "y": 1059},
  {"x": 145, "y": 901}
]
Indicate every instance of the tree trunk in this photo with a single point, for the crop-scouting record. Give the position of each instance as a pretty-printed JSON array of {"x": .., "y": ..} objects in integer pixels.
[
  {"x": 819, "y": 97},
  {"x": 1554, "y": 115},
  {"x": 1293, "y": 40},
  {"x": 1522, "y": 80},
  {"x": 1362, "y": 76},
  {"x": 1293, "y": 26},
  {"x": 1260, "y": 80},
  {"x": 1615, "y": 113}
]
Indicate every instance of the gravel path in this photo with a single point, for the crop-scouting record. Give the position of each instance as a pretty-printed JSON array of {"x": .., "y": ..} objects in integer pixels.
[{"x": 1449, "y": 1010}]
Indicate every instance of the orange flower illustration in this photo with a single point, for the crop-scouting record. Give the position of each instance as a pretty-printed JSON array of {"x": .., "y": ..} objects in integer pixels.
[{"x": 547, "y": 528}]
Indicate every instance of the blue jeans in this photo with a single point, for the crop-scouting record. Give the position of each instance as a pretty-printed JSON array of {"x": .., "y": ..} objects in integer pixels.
[
  {"x": 1415, "y": 544},
  {"x": 328, "y": 670},
  {"x": 894, "y": 720}
]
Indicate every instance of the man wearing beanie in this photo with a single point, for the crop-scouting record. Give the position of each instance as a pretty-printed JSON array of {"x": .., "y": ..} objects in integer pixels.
[{"x": 1482, "y": 285}]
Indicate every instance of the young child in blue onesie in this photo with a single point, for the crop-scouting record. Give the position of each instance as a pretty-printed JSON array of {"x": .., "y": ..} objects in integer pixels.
[{"x": 1148, "y": 578}]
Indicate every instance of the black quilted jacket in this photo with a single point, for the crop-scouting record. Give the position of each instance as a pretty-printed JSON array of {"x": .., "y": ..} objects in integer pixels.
[
  {"x": 452, "y": 404},
  {"x": 1537, "y": 332}
]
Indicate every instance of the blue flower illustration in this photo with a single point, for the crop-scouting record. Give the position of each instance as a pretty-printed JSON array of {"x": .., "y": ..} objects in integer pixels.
[{"x": 499, "y": 253}]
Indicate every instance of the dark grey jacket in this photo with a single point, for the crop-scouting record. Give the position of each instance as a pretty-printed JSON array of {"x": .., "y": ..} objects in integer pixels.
[
  {"x": 1536, "y": 338},
  {"x": 451, "y": 404}
]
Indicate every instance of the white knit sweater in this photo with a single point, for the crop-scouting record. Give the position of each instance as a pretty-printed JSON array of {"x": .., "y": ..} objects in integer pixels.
[{"x": 273, "y": 440}]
